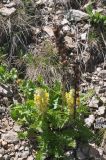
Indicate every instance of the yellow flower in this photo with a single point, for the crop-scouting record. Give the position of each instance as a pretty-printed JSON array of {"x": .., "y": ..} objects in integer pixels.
[
  {"x": 70, "y": 100},
  {"x": 69, "y": 96},
  {"x": 41, "y": 99}
]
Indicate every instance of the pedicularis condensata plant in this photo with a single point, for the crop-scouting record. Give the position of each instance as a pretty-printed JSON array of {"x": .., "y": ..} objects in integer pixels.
[{"x": 49, "y": 121}]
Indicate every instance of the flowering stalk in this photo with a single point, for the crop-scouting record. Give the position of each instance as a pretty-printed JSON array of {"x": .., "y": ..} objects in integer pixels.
[{"x": 41, "y": 99}]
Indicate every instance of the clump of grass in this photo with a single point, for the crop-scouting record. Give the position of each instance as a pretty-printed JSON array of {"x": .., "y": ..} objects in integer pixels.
[{"x": 16, "y": 30}]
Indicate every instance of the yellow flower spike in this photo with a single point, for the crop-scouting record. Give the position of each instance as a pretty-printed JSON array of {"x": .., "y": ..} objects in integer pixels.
[
  {"x": 70, "y": 101},
  {"x": 41, "y": 99},
  {"x": 69, "y": 96}
]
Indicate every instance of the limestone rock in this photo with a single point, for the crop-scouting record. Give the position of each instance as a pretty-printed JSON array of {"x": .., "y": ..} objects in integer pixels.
[
  {"x": 77, "y": 15},
  {"x": 101, "y": 110},
  {"x": 89, "y": 121},
  {"x": 94, "y": 103},
  {"x": 7, "y": 11},
  {"x": 10, "y": 137},
  {"x": 9, "y": 5},
  {"x": 48, "y": 30}
]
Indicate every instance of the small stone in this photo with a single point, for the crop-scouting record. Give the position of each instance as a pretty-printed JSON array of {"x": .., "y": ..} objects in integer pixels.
[
  {"x": 2, "y": 90},
  {"x": 89, "y": 121},
  {"x": 100, "y": 150},
  {"x": 16, "y": 128},
  {"x": 97, "y": 88},
  {"x": 66, "y": 28},
  {"x": 17, "y": 147},
  {"x": 101, "y": 110},
  {"x": 5, "y": 144},
  {"x": 94, "y": 103},
  {"x": 18, "y": 154},
  {"x": 30, "y": 158},
  {"x": 6, "y": 1},
  {"x": 102, "y": 73},
  {"x": 26, "y": 149},
  {"x": 25, "y": 154},
  {"x": 5, "y": 124},
  {"x": 99, "y": 69},
  {"x": 64, "y": 22},
  {"x": 83, "y": 36},
  {"x": 68, "y": 153},
  {"x": 21, "y": 148},
  {"x": 101, "y": 82},
  {"x": 11, "y": 147},
  {"x": 23, "y": 143},
  {"x": 103, "y": 99},
  {"x": 12, "y": 154}
]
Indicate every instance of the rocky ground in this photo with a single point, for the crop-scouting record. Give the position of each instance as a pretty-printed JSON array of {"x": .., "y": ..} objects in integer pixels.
[
  {"x": 93, "y": 76},
  {"x": 11, "y": 148}
]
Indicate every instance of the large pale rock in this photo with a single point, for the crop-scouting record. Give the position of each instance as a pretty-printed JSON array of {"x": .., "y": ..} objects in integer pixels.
[
  {"x": 102, "y": 73},
  {"x": 69, "y": 42},
  {"x": 77, "y": 15},
  {"x": 30, "y": 158},
  {"x": 9, "y": 5},
  {"x": 2, "y": 90},
  {"x": 101, "y": 110},
  {"x": 7, "y": 11},
  {"x": 10, "y": 137},
  {"x": 89, "y": 121},
  {"x": 94, "y": 103},
  {"x": 49, "y": 31}
]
